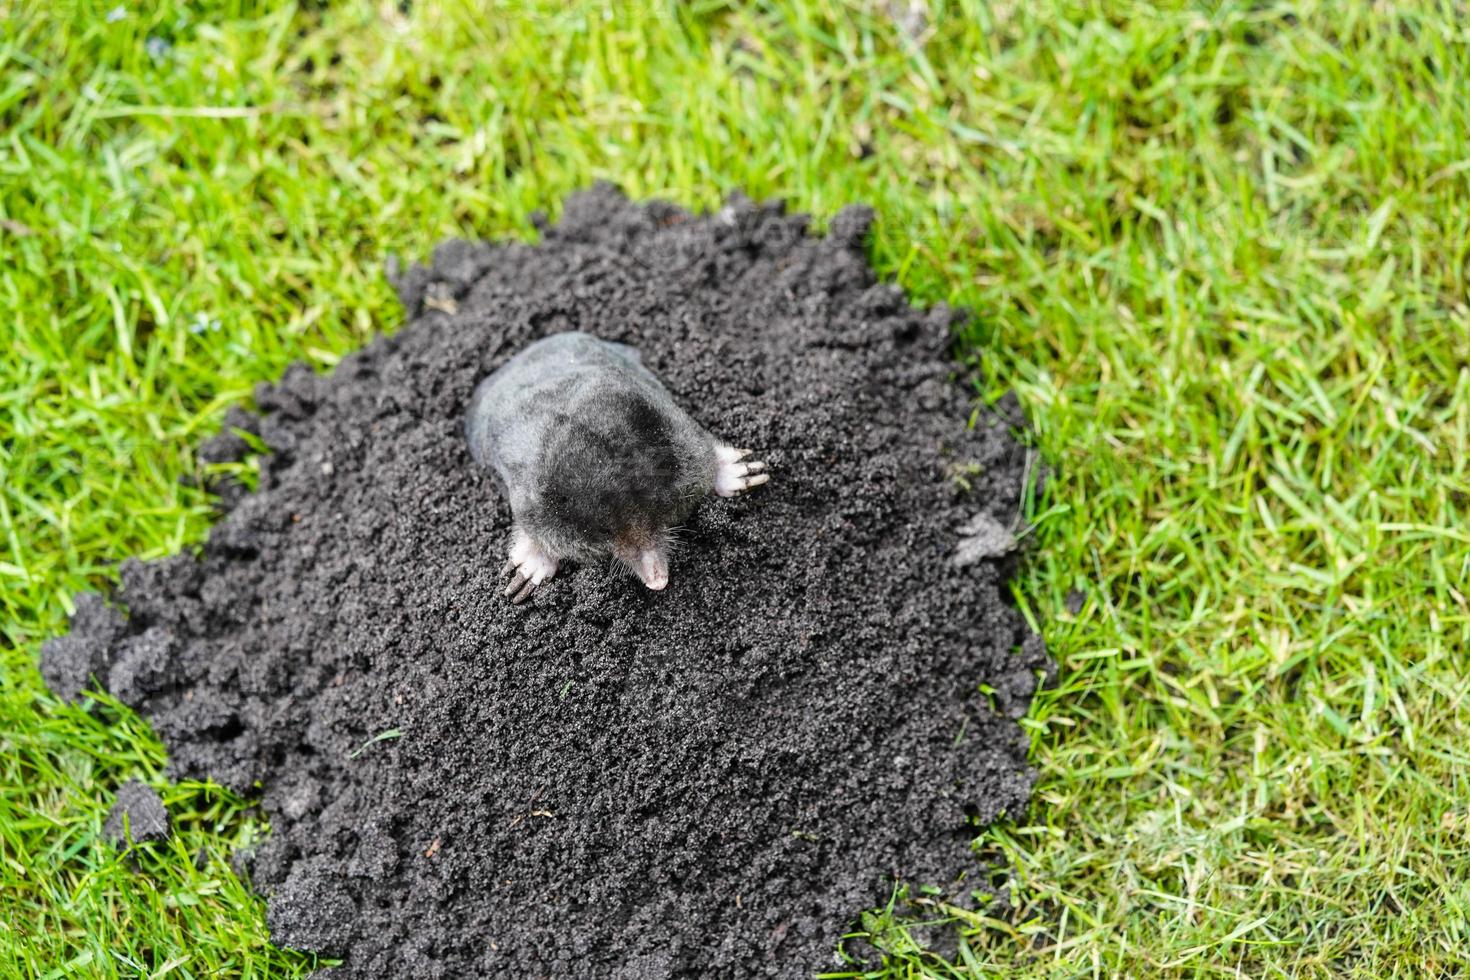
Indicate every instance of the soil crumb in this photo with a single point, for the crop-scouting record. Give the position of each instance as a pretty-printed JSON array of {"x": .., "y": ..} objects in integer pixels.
[
  {"x": 137, "y": 815},
  {"x": 709, "y": 781}
]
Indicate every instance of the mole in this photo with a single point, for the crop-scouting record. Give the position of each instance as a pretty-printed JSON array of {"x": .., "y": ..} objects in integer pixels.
[{"x": 595, "y": 458}]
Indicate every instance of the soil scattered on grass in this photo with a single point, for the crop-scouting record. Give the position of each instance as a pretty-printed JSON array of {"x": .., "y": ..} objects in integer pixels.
[
  {"x": 709, "y": 781},
  {"x": 137, "y": 814}
]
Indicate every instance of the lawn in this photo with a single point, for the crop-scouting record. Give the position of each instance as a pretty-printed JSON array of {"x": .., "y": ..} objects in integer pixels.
[{"x": 1218, "y": 249}]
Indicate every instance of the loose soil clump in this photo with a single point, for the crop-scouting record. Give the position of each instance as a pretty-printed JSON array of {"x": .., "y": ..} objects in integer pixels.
[
  {"x": 612, "y": 782},
  {"x": 137, "y": 815}
]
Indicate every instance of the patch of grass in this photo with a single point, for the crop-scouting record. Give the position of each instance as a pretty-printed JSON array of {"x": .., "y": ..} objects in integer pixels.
[
  {"x": 74, "y": 905},
  {"x": 1219, "y": 250}
]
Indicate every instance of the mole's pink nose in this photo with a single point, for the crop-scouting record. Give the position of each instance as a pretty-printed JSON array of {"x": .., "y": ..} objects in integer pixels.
[{"x": 653, "y": 568}]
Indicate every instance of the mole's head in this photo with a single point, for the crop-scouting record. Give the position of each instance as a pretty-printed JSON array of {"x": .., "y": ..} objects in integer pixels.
[{"x": 615, "y": 481}]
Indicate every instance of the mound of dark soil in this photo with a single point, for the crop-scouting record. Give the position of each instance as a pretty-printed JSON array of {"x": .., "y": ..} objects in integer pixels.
[{"x": 710, "y": 781}]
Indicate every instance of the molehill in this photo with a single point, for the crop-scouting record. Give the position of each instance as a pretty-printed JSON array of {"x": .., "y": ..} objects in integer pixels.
[{"x": 709, "y": 781}]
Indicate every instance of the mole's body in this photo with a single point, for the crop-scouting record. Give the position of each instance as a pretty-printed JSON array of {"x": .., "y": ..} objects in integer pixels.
[{"x": 596, "y": 458}]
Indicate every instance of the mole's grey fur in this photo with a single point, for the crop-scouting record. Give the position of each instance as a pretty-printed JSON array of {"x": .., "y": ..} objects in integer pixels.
[{"x": 595, "y": 457}]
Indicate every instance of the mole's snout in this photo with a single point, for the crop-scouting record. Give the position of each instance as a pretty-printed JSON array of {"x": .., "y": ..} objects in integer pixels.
[
  {"x": 649, "y": 563},
  {"x": 653, "y": 568}
]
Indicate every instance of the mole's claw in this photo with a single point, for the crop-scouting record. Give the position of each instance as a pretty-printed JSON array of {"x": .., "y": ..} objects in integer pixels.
[
  {"x": 734, "y": 475},
  {"x": 529, "y": 565}
]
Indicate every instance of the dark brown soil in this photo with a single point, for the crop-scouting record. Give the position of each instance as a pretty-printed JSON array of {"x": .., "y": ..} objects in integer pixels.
[
  {"x": 609, "y": 782},
  {"x": 137, "y": 815}
]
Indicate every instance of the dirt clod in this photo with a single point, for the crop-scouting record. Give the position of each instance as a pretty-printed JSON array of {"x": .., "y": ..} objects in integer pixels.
[
  {"x": 709, "y": 781},
  {"x": 137, "y": 814}
]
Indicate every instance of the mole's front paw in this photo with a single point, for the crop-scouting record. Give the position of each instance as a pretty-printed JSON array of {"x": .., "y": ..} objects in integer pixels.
[
  {"x": 528, "y": 566},
  {"x": 734, "y": 474}
]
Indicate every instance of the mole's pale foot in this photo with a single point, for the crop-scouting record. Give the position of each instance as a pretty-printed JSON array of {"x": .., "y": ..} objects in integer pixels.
[
  {"x": 735, "y": 474},
  {"x": 528, "y": 566}
]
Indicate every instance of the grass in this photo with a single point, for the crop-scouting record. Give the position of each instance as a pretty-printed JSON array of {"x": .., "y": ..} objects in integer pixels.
[{"x": 1218, "y": 249}]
